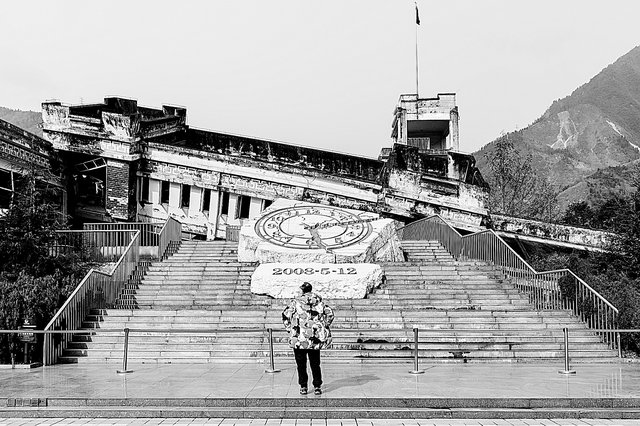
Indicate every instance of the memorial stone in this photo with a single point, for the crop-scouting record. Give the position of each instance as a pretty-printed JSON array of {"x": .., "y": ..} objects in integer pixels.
[
  {"x": 293, "y": 231},
  {"x": 333, "y": 281},
  {"x": 331, "y": 248}
]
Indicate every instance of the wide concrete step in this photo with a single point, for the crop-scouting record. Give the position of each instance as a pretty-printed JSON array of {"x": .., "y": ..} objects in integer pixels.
[
  {"x": 213, "y": 324},
  {"x": 385, "y": 306},
  {"x": 470, "y": 301},
  {"x": 90, "y": 349},
  {"x": 199, "y": 272},
  {"x": 171, "y": 356},
  {"x": 339, "y": 312}
]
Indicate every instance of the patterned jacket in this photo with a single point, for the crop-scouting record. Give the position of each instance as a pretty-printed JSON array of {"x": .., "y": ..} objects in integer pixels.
[{"x": 307, "y": 319}]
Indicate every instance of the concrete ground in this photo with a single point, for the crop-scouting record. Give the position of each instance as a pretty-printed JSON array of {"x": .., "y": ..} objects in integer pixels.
[
  {"x": 365, "y": 380},
  {"x": 508, "y": 381},
  {"x": 305, "y": 422}
]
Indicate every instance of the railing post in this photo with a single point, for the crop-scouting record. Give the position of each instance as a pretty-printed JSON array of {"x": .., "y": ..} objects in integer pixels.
[
  {"x": 272, "y": 368},
  {"x": 617, "y": 338},
  {"x": 125, "y": 354},
  {"x": 566, "y": 354},
  {"x": 416, "y": 369}
]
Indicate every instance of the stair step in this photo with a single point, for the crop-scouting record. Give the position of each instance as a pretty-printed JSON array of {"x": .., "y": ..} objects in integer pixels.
[{"x": 202, "y": 288}]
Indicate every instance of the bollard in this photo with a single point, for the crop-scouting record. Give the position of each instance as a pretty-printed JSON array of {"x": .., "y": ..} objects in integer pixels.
[
  {"x": 126, "y": 353},
  {"x": 415, "y": 353},
  {"x": 13, "y": 360},
  {"x": 566, "y": 370},
  {"x": 273, "y": 368}
]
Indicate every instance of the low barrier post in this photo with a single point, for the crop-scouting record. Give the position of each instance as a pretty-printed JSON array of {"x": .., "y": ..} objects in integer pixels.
[
  {"x": 415, "y": 370},
  {"x": 125, "y": 354},
  {"x": 566, "y": 370},
  {"x": 272, "y": 368}
]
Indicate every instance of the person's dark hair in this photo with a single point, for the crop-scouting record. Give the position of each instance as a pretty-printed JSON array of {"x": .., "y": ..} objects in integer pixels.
[{"x": 306, "y": 287}]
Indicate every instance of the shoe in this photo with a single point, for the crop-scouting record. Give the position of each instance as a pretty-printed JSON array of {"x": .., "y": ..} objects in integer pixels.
[
  {"x": 317, "y": 391},
  {"x": 303, "y": 391}
]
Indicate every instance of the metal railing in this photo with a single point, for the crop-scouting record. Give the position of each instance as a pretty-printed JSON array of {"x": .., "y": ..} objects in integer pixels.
[
  {"x": 457, "y": 353},
  {"x": 559, "y": 289},
  {"x": 99, "y": 289},
  {"x": 170, "y": 235},
  {"x": 96, "y": 290},
  {"x": 97, "y": 245},
  {"x": 149, "y": 231}
]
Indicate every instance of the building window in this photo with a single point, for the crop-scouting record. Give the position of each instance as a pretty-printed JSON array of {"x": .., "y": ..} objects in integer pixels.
[
  {"x": 185, "y": 196},
  {"x": 206, "y": 200},
  {"x": 164, "y": 192},
  {"x": 420, "y": 143},
  {"x": 6, "y": 189},
  {"x": 242, "y": 208},
  {"x": 266, "y": 203},
  {"x": 145, "y": 189},
  {"x": 224, "y": 209}
]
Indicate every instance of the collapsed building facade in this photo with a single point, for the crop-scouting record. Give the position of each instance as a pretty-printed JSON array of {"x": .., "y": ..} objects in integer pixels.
[
  {"x": 125, "y": 162},
  {"x": 22, "y": 152}
]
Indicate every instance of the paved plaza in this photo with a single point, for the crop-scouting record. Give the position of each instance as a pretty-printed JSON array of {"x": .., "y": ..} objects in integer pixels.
[
  {"x": 321, "y": 422},
  {"x": 379, "y": 382},
  {"x": 361, "y": 380}
]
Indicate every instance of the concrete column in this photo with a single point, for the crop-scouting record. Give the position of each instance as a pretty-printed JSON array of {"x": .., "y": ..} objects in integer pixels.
[
  {"x": 174, "y": 195},
  {"x": 454, "y": 132},
  {"x": 195, "y": 199},
  {"x": 404, "y": 128},
  {"x": 154, "y": 191},
  {"x": 233, "y": 203},
  {"x": 214, "y": 213},
  {"x": 255, "y": 207}
]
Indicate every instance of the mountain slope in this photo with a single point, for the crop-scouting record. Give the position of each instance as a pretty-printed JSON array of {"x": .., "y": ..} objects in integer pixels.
[
  {"x": 594, "y": 128},
  {"x": 30, "y": 121}
]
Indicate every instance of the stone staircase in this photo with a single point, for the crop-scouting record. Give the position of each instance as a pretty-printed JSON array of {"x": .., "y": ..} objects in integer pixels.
[{"x": 199, "y": 302}]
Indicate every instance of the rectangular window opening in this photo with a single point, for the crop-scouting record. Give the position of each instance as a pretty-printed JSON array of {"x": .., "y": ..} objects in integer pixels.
[
  {"x": 185, "y": 196},
  {"x": 164, "y": 192},
  {"x": 5, "y": 198},
  {"x": 5, "y": 180},
  {"x": 145, "y": 189},
  {"x": 224, "y": 209},
  {"x": 244, "y": 203},
  {"x": 206, "y": 200}
]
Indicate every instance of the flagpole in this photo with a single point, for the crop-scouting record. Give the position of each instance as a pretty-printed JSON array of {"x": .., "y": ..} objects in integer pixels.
[{"x": 417, "y": 74}]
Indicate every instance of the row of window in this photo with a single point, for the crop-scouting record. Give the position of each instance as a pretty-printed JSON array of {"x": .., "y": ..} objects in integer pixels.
[
  {"x": 6, "y": 188},
  {"x": 243, "y": 202}
]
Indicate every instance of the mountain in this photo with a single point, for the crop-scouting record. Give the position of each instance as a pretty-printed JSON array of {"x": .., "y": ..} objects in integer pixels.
[
  {"x": 587, "y": 143},
  {"x": 30, "y": 121}
]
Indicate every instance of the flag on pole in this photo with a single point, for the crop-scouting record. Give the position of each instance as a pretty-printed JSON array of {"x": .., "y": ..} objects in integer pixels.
[{"x": 417, "y": 15}]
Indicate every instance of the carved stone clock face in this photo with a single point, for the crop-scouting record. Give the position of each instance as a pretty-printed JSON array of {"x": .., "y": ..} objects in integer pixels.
[{"x": 312, "y": 227}]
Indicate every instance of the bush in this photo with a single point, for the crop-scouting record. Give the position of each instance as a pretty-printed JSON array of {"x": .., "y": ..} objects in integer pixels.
[{"x": 33, "y": 283}]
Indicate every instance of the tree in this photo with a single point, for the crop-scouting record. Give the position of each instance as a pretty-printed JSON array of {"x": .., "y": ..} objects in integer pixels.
[
  {"x": 33, "y": 282},
  {"x": 615, "y": 273},
  {"x": 578, "y": 214},
  {"x": 516, "y": 188}
]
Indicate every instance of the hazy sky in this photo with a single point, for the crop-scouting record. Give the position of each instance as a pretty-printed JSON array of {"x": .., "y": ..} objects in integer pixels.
[{"x": 325, "y": 74}]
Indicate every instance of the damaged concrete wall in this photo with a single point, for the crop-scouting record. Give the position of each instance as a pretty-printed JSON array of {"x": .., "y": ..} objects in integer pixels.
[
  {"x": 536, "y": 230},
  {"x": 410, "y": 184},
  {"x": 118, "y": 188}
]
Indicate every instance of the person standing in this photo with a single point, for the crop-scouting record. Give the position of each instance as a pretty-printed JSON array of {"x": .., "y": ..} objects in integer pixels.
[{"x": 307, "y": 319}]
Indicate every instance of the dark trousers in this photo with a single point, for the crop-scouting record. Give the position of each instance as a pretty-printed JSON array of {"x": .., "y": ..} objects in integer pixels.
[{"x": 314, "y": 362}]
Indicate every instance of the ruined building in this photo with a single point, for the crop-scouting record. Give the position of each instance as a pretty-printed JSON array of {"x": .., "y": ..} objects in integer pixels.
[
  {"x": 124, "y": 162},
  {"x": 22, "y": 152}
]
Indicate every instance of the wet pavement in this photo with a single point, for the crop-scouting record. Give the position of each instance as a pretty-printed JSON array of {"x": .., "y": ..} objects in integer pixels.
[
  {"x": 503, "y": 380},
  {"x": 315, "y": 422}
]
